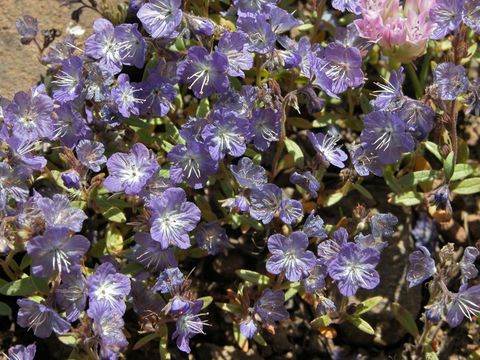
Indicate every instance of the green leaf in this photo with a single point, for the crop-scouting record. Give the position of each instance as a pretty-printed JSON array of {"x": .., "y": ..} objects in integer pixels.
[
  {"x": 207, "y": 300},
  {"x": 405, "y": 319},
  {"x": 113, "y": 239},
  {"x": 304, "y": 27},
  {"x": 448, "y": 165},
  {"x": 430, "y": 354},
  {"x": 292, "y": 290},
  {"x": 259, "y": 339},
  {"x": 433, "y": 149},
  {"x": 391, "y": 181},
  {"x": 417, "y": 177},
  {"x": 231, "y": 308},
  {"x": 367, "y": 305},
  {"x": 361, "y": 189},
  {"x": 467, "y": 186},
  {"x": 295, "y": 151},
  {"x": 163, "y": 348},
  {"x": 321, "y": 321},
  {"x": 461, "y": 171},
  {"x": 253, "y": 277},
  {"x": 5, "y": 310},
  {"x": 299, "y": 122},
  {"x": 114, "y": 214},
  {"x": 408, "y": 198},
  {"x": 145, "y": 340},
  {"x": 25, "y": 287},
  {"x": 361, "y": 325},
  {"x": 68, "y": 339},
  {"x": 203, "y": 108}
]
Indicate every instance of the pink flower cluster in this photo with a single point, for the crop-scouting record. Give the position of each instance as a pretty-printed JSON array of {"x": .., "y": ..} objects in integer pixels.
[{"x": 402, "y": 32}]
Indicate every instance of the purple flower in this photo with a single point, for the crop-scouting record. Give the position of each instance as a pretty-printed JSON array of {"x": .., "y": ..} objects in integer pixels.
[
  {"x": 12, "y": 184},
  {"x": 150, "y": 253},
  {"x": 325, "y": 306},
  {"x": 188, "y": 325},
  {"x": 343, "y": 65},
  {"x": 326, "y": 147},
  {"x": 200, "y": 26},
  {"x": 104, "y": 46},
  {"x": 234, "y": 46},
  {"x": 41, "y": 318},
  {"x": 465, "y": 303},
  {"x": 316, "y": 279},
  {"x": 97, "y": 82},
  {"x": 313, "y": 226},
  {"x": 56, "y": 251},
  {"x": 20, "y": 352},
  {"x": 451, "y": 80},
  {"x": 386, "y": 135},
  {"x": 347, "y": 5},
  {"x": 133, "y": 47},
  {"x": 90, "y": 154},
  {"x": 471, "y": 16},
  {"x": 254, "y": 6},
  {"x": 383, "y": 225},
  {"x": 329, "y": 249},
  {"x": 30, "y": 115},
  {"x": 130, "y": 172},
  {"x": 157, "y": 95},
  {"x": 282, "y": 21},
  {"x": 354, "y": 268},
  {"x": 108, "y": 326},
  {"x": 169, "y": 281},
  {"x": 365, "y": 161},
  {"x": 370, "y": 242},
  {"x": 23, "y": 151},
  {"x": 306, "y": 181},
  {"x": 261, "y": 38},
  {"x": 467, "y": 264},
  {"x": 124, "y": 96},
  {"x": 71, "y": 179},
  {"x": 390, "y": 96},
  {"x": 266, "y": 127},
  {"x": 446, "y": 16},
  {"x": 191, "y": 163},
  {"x": 173, "y": 217},
  {"x": 290, "y": 255},
  {"x": 108, "y": 288},
  {"x": 270, "y": 307},
  {"x": 265, "y": 202},
  {"x": 226, "y": 134},
  {"x": 290, "y": 211},
  {"x": 71, "y": 294},
  {"x": 242, "y": 102},
  {"x": 59, "y": 213},
  {"x": 161, "y": 18},
  {"x": 212, "y": 237},
  {"x": 247, "y": 174},
  {"x": 422, "y": 266},
  {"x": 425, "y": 231},
  {"x": 68, "y": 82},
  {"x": 27, "y": 28},
  {"x": 248, "y": 327},
  {"x": 204, "y": 73},
  {"x": 418, "y": 117},
  {"x": 70, "y": 126}
]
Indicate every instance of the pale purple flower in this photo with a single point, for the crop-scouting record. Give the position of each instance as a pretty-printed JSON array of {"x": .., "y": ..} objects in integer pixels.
[
  {"x": 59, "y": 212},
  {"x": 254, "y": 6},
  {"x": 425, "y": 231},
  {"x": 69, "y": 126},
  {"x": 130, "y": 172},
  {"x": 20, "y": 352},
  {"x": 390, "y": 96},
  {"x": 383, "y": 225},
  {"x": 68, "y": 81},
  {"x": 157, "y": 95},
  {"x": 169, "y": 281},
  {"x": 71, "y": 294},
  {"x": 290, "y": 255},
  {"x": 418, "y": 117},
  {"x": 329, "y": 249},
  {"x": 248, "y": 327},
  {"x": 306, "y": 181},
  {"x": 282, "y": 21},
  {"x": 125, "y": 95},
  {"x": 27, "y": 28},
  {"x": 421, "y": 266},
  {"x": 41, "y": 318},
  {"x": 71, "y": 179},
  {"x": 451, "y": 80},
  {"x": 386, "y": 135},
  {"x": 269, "y": 307},
  {"x": 446, "y": 16},
  {"x": 370, "y": 241},
  {"x": 290, "y": 211},
  {"x": 150, "y": 253},
  {"x": 108, "y": 288},
  {"x": 200, "y": 26},
  {"x": 313, "y": 226},
  {"x": 365, "y": 161},
  {"x": 261, "y": 38},
  {"x": 467, "y": 264},
  {"x": 13, "y": 183},
  {"x": 188, "y": 325},
  {"x": 161, "y": 18},
  {"x": 102, "y": 45},
  {"x": 91, "y": 154},
  {"x": 352, "y": 6},
  {"x": 354, "y": 268},
  {"x": 464, "y": 304},
  {"x": 133, "y": 47},
  {"x": 234, "y": 46},
  {"x": 247, "y": 174},
  {"x": 173, "y": 217},
  {"x": 205, "y": 73},
  {"x": 97, "y": 82},
  {"x": 326, "y": 147},
  {"x": 191, "y": 163},
  {"x": 56, "y": 251},
  {"x": 226, "y": 134},
  {"x": 316, "y": 279},
  {"x": 212, "y": 237},
  {"x": 266, "y": 127},
  {"x": 471, "y": 15},
  {"x": 23, "y": 151},
  {"x": 265, "y": 202}
]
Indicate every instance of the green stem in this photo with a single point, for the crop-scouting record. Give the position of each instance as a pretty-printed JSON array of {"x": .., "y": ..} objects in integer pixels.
[{"x": 412, "y": 74}]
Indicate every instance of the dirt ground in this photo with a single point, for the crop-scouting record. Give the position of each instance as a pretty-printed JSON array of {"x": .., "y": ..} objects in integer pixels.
[{"x": 19, "y": 65}]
